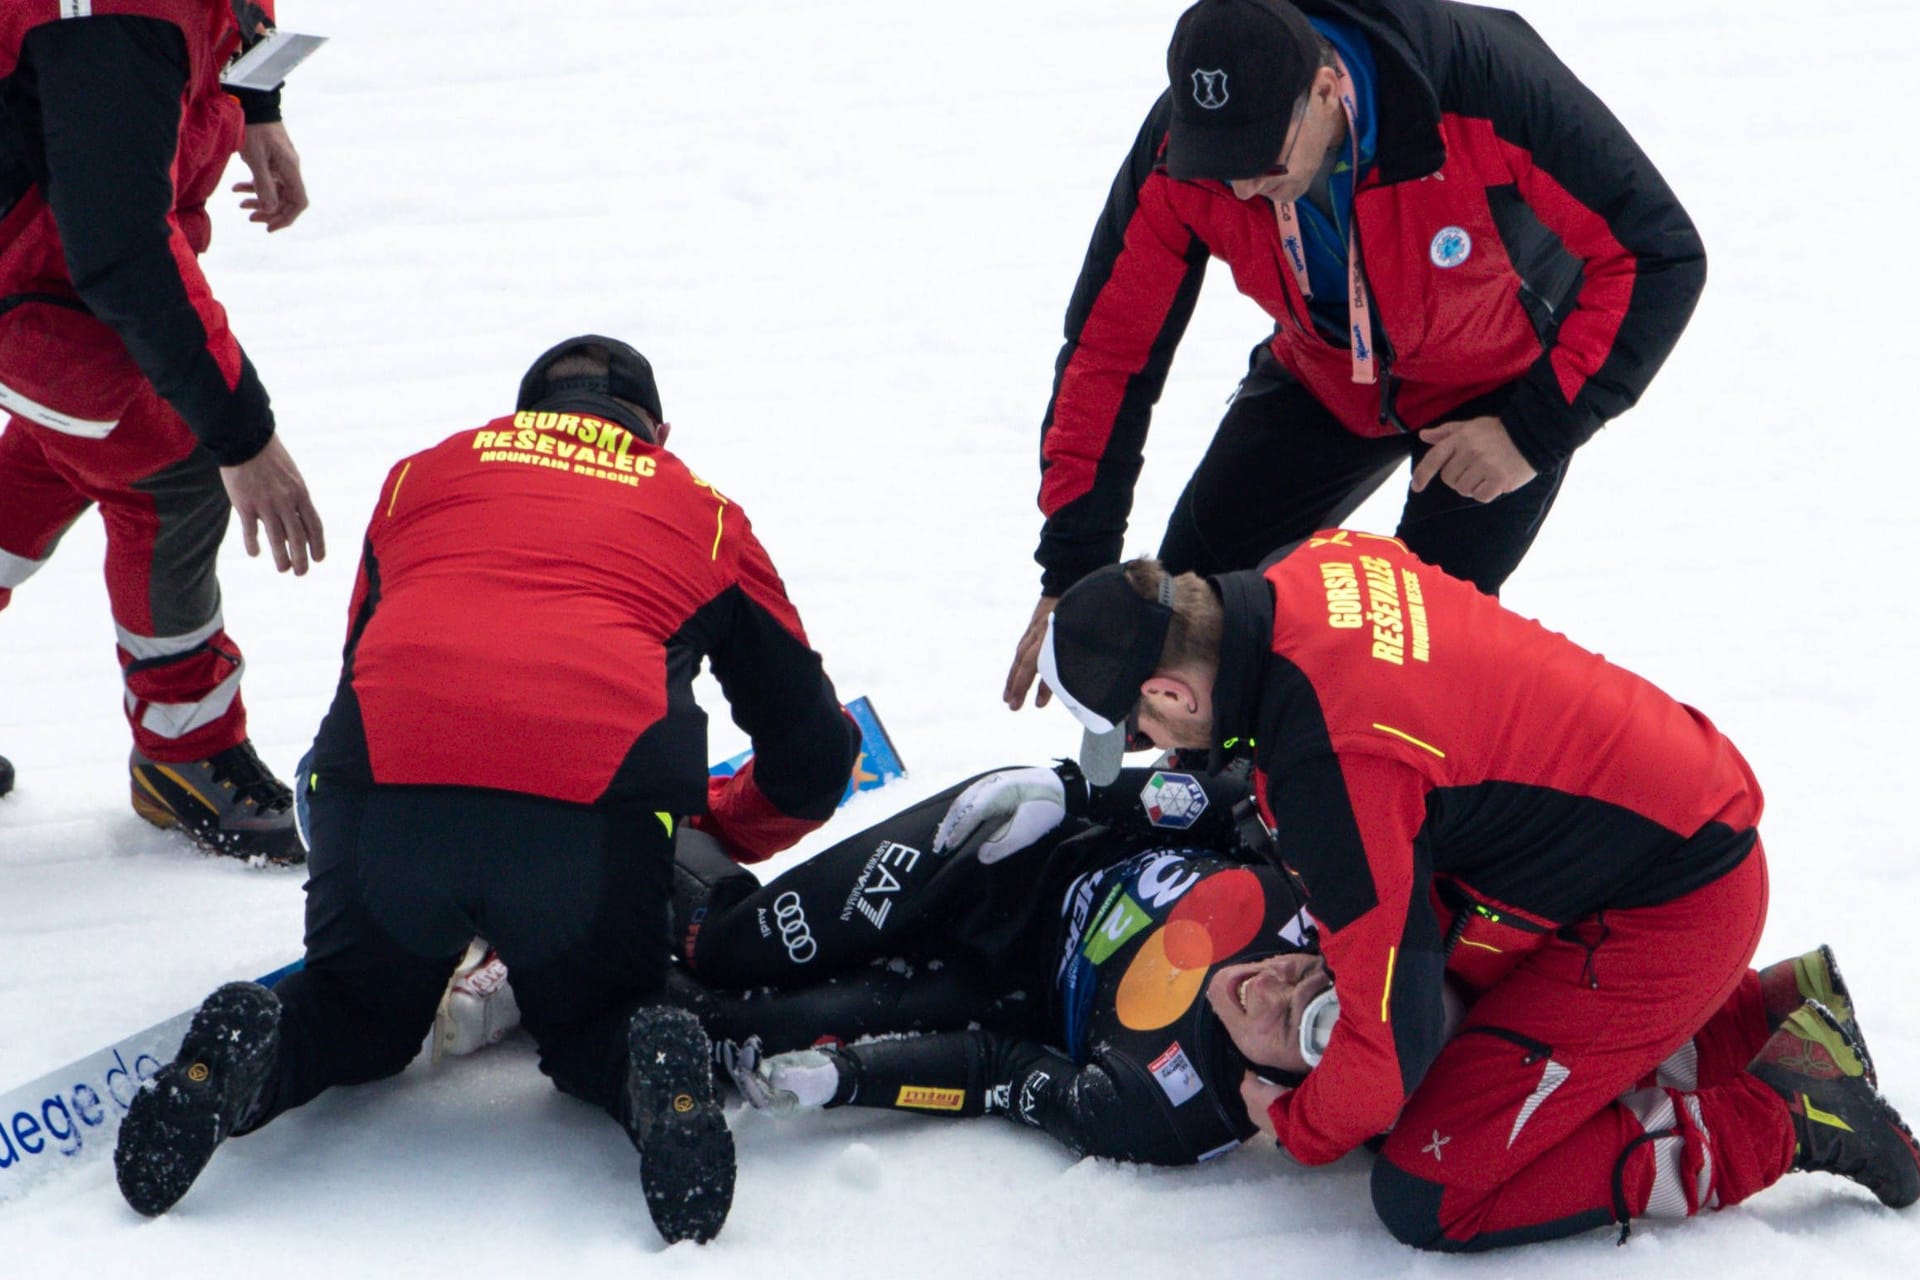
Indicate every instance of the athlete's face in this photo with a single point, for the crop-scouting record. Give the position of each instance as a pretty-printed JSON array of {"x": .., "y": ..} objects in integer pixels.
[{"x": 1261, "y": 1004}]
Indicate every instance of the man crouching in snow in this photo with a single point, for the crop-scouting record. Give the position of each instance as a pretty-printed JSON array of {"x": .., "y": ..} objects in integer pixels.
[
  {"x": 1464, "y": 796},
  {"x": 512, "y": 743}
]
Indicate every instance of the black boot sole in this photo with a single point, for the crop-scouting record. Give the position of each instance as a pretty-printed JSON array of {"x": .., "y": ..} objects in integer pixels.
[
  {"x": 175, "y": 1123},
  {"x": 686, "y": 1150}
]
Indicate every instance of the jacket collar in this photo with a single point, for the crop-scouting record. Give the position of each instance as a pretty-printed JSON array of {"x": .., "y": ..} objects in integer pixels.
[
  {"x": 599, "y": 406},
  {"x": 1246, "y": 642},
  {"x": 1406, "y": 104}
]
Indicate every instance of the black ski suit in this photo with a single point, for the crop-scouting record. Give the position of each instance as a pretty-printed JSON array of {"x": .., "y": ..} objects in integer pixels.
[{"x": 1061, "y": 987}]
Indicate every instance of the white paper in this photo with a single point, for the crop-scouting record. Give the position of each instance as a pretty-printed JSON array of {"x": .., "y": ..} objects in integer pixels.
[{"x": 267, "y": 64}]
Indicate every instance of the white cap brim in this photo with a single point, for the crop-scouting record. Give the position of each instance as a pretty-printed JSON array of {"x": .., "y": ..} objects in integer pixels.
[{"x": 1092, "y": 721}]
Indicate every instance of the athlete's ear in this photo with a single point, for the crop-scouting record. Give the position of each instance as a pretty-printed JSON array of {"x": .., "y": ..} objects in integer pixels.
[{"x": 660, "y": 432}]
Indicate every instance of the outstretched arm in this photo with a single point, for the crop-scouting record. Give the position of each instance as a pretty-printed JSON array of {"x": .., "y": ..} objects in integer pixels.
[{"x": 1089, "y": 1109}]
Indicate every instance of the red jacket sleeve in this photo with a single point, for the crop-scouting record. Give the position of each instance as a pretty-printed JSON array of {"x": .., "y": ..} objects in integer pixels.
[
  {"x": 1382, "y": 944},
  {"x": 1135, "y": 295},
  {"x": 804, "y": 744},
  {"x": 1588, "y": 182},
  {"x": 110, "y": 91}
]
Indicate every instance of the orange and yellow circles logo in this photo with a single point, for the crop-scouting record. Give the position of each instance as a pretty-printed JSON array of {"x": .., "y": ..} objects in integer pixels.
[
  {"x": 683, "y": 1102},
  {"x": 1218, "y": 916}
]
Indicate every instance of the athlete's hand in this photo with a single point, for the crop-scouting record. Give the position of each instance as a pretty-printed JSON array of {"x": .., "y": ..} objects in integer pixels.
[
  {"x": 1260, "y": 1095},
  {"x": 1026, "y": 659},
  {"x": 267, "y": 490},
  {"x": 1006, "y": 811},
  {"x": 276, "y": 195},
  {"x": 1475, "y": 457}
]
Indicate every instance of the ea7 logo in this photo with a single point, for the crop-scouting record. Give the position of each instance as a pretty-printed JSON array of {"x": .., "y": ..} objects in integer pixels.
[
  {"x": 1210, "y": 89},
  {"x": 1032, "y": 1090},
  {"x": 882, "y": 877}
]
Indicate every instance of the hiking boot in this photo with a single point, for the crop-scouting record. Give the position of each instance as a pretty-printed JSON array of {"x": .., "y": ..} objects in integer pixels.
[
  {"x": 1788, "y": 984},
  {"x": 195, "y": 1103},
  {"x": 1840, "y": 1123},
  {"x": 231, "y": 804},
  {"x": 673, "y": 1116}
]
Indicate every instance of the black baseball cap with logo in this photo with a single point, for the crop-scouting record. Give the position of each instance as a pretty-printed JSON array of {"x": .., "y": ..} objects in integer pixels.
[
  {"x": 628, "y": 377},
  {"x": 1238, "y": 68},
  {"x": 1103, "y": 642}
]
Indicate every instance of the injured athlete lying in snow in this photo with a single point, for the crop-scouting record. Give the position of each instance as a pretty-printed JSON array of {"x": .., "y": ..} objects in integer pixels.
[{"x": 1113, "y": 965}]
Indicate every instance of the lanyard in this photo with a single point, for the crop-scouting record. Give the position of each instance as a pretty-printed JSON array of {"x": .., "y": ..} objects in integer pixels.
[{"x": 1359, "y": 306}]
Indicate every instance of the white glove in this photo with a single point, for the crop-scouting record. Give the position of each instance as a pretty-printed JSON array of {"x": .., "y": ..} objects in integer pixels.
[
  {"x": 802, "y": 1080},
  {"x": 1013, "y": 807},
  {"x": 478, "y": 1007}
]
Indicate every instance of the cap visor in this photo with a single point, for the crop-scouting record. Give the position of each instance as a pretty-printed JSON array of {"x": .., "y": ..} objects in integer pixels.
[
  {"x": 1246, "y": 151},
  {"x": 1102, "y": 754}
]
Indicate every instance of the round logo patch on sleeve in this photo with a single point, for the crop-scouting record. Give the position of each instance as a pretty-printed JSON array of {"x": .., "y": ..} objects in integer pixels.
[
  {"x": 1451, "y": 246},
  {"x": 1173, "y": 800}
]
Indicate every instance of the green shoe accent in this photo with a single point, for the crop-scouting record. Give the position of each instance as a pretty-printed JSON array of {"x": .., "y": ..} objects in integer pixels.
[
  {"x": 1841, "y": 1125},
  {"x": 1787, "y": 984},
  {"x": 1816, "y": 974},
  {"x": 1806, "y": 1023}
]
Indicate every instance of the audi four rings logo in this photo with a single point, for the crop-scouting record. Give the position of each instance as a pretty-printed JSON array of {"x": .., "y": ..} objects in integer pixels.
[
  {"x": 794, "y": 934},
  {"x": 1210, "y": 89}
]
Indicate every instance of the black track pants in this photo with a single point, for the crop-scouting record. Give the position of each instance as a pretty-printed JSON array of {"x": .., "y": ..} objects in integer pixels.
[
  {"x": 400, "y": 879},
  {"x": 1281, "y": 467}
]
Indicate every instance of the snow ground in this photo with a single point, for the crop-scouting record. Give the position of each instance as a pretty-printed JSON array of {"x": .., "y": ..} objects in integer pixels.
[{"x": 846, "y": 241}]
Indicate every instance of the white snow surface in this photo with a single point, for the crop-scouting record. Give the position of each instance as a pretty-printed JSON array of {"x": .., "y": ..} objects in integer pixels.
[{"x": 846, "y": 235}]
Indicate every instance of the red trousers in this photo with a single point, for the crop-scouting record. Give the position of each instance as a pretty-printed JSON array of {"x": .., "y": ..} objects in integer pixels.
[
  {"x": 166, "y": 513},
  {"x": 1603, "y": 1079}
]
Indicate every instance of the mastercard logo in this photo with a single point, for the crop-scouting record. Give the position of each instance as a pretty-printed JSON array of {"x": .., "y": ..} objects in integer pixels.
[{"x": 1216, "y": 918}]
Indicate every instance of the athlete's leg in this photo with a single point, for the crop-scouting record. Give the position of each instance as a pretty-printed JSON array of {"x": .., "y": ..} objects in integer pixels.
[
  {"x": 868, "y": 897},
  {"x": 880, "y": 998}
]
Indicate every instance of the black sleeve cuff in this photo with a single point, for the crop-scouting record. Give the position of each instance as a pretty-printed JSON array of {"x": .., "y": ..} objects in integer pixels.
[
  {"x": 246, "y": 423},
  {"x": 259, "y": 106}
]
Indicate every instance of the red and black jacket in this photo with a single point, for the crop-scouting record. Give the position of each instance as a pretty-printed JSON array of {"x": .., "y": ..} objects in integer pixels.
[
  {"x": 533, "y": 603},
  {"x": 114, "y": 131},
  {"x": 1450, "y": 782},
  {"x": 1583, "y": 268}
]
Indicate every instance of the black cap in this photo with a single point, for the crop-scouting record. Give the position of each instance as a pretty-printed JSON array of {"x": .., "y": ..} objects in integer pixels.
[
  {"x": 1238, "y": 68},
  {"x": 628, "y": 376},
  {"x": 1103, "y": 642}
]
